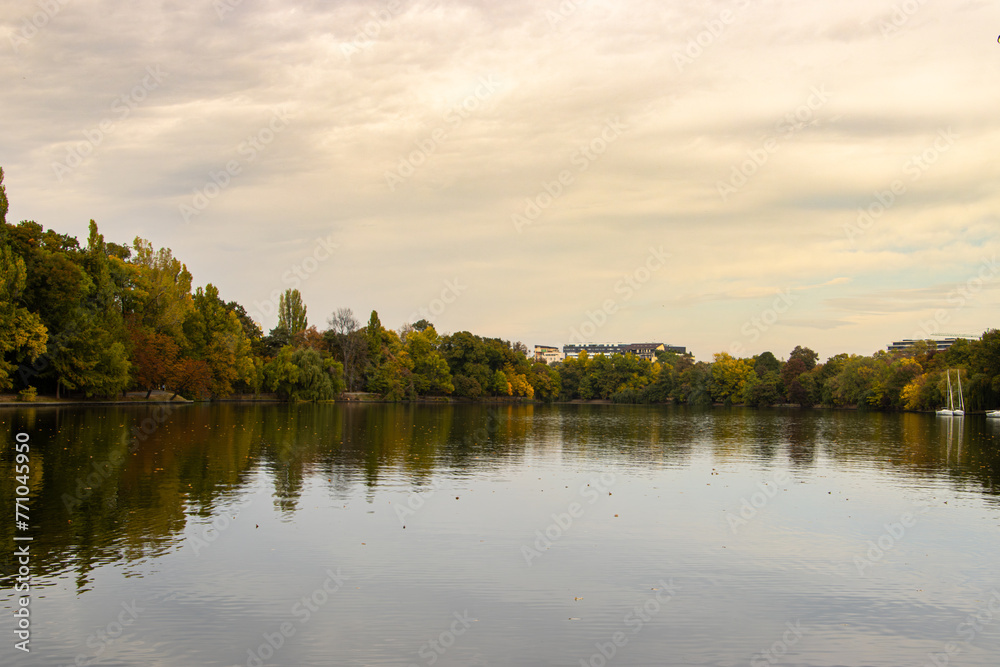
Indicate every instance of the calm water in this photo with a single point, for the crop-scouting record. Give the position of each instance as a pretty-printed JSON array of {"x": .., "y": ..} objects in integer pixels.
[{"x": 249, "y": 535}]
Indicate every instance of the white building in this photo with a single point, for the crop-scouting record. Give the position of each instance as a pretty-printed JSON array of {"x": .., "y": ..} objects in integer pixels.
[{"x": 548, "y": 353}]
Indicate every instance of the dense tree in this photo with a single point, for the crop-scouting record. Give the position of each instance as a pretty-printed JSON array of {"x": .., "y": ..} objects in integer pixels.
[
  {"x": 607, "y": 376},
  {"x": 807, "y": 356},
  {"x": 519, "y": 384},
  {"x": 762, "y": 390},
  {"x": 898, "y": 373},
  {"x": 251, "y": 329},
  {"x": 801, "y": 361},
  {"x": 984, "y": 371},
  {"x": 695, "y": 381},
  {"x": 191, "y": 378},
  {"x": 95, "y": 319},
  {"x": 91, "y": 356},
  {"x": 766, "y": 362},
  {"x": 215, "y": 335},
  {"x": 923, "y": 392},
  {"x": 430, "y": 372},
  {"x": 162, "y": 295},
  {"x": 500, "y": 384},
  {"x": 728, "y": 377},
  {"x": 466, "y": 357},
  {"x": 545, "y": 381},
  {"x": 154, "y": 358},
  {"x": 22, "y": 334},
  {"x": 467, "y": 387},
  {"x": 57, "y": 282},
  {"x": 958, "y": 354},
  {"x": 572, "y": 371},
  {"x": 490, "y": 366},
  {"x": 378, "y": 341},
  {"x": 302, "y": 374},
  {"x": 856, "y": 383},
  {"x": 663, "y": 388},
  {"x": 393, "y": 376}
]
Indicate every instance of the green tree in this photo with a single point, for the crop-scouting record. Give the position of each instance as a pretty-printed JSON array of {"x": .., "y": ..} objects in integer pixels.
[
  {"x": 292, "y": 312},
  {"x": 3, "y": 200},
  {"x": 302, "y": 374},
  {"x": 467, "y": 357},
  {"x": 545, "y": 380},
  {"x": 22, "y": 334},
  {"x": 898, "y": 374},
  {"x": 91, "y": 356},
  {"x": 762, "y": 390},
  {"x": 858, "y": 383},
  {"x": 393, "y": 377},
  {"x": 251, "y": 329},
  {"x": 766, "y": 362},
  {"x": 467, "y": 387},
  {"x": 430, "y": 372},
  {"x": 162, "y": 291},
  {"x": 572, "y": 371},
  {"x": 728, "y": 376},
  {"x": 215, "y": 335},
  {"x": 922, "y": 392},
  {"x": 500, "y": 385},
  {"x": 802, "y": 360},
  {"x": 984, "y": 370},
  {"x": 695, "y": 381},
  {"x": 958, "y": 353}
]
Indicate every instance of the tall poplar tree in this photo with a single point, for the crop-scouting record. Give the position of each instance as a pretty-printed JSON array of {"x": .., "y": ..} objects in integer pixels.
[{"x": 292, "y": 312}]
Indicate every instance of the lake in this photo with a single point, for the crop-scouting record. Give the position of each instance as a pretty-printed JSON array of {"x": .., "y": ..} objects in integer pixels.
[{"x": 487, "y": 535}]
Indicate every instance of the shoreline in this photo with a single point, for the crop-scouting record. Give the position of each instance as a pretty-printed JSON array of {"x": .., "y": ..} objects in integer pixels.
[{"x": 358, "y": 397}]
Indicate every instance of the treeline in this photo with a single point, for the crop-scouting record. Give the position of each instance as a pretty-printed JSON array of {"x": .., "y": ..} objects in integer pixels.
[
  {"x": 100, "y": 319},
  {"x": 914, "y": 379}
]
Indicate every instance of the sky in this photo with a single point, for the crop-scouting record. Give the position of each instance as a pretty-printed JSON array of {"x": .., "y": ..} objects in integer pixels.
[{"x": 734, "y": 176}]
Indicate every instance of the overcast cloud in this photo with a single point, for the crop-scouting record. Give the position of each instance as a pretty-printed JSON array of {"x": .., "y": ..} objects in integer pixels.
[{"x": 524, "y": 168}]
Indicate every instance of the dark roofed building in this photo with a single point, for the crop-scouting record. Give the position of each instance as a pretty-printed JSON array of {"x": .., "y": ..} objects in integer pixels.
[
  {"x": 641, "y": 350},
  {"x": 908, "y": 343}
]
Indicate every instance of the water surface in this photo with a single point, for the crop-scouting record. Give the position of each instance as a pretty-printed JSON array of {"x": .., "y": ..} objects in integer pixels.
[{"x": 505, "y": 535}]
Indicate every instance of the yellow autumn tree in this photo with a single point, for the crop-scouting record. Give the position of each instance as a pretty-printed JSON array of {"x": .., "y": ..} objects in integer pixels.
[
  {"x": 22, "y": 334},
  {"x": 729, "y": 375}
]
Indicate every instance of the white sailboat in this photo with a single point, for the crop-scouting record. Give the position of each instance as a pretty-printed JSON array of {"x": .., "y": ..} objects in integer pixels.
[
  {"x": 950, "y": 410},
  {"x": 961, "y": 401},
  {"x": 993, "y": 413}
]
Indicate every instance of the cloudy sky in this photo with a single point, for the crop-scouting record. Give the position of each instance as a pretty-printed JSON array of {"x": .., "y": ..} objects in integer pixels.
[{"x": 686, "y": 172}]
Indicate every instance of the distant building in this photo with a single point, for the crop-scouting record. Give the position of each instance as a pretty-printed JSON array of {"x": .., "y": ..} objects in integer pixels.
[
  {"x": 642, "y": 350},
  {"x": 908, "y": 343},
  {"x": 548, "y": 353}
]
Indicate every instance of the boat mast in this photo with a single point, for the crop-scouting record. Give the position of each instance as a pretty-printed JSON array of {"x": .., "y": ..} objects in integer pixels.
[
  {"x": 951, "y": 401},
  {"x": 961, "y": 399}
]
